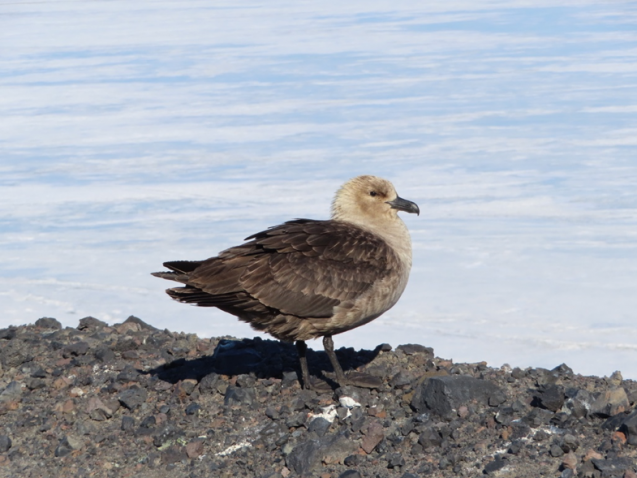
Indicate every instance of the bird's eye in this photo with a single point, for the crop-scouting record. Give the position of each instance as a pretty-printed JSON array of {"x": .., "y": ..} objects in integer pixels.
[{"x": 373, "y": 193}]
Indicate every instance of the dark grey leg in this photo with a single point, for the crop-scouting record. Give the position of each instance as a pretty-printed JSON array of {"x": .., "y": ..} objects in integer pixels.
[
  {"x": 328, "y": 344},
  {"x": 301, "y": 349}
]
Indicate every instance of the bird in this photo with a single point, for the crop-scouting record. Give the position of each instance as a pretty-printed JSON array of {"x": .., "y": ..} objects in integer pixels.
[{"x": 308, "y": 278}]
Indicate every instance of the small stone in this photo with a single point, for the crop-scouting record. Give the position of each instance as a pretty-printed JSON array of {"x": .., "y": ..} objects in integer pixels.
[
  {"x": 104, "y": 354},
  {"x": 194, "y": 448},
  {"x": 75, "y": 350},
  {"x": 5, "y": 443},
  {"x": 495, "y": 465},
  {"x": 133, "y": 397},
  {"x": 193, "y": 409},
  {"x": 239, "y": 396},
  {"x": 128, "y": 423},
  {"x": 569, "y": 460},
  {"x": 12, "y": 392},
  {"x": 429, "y": 437},
  {"x": 173, "y": 454},
  {"x": 350, "y": 474},
  {"x": 556, "y": 451},
  {"x": 320, "y": 426},
  {"x": 208, "y": 384},
  {"x": 395, "y": 460},
  {"x": 591, "y": 454},
  {"x": 373, "y": 436}
]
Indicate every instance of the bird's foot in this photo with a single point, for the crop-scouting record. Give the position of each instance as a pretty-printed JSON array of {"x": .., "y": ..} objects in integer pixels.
[{"x": 318, "y": 385}]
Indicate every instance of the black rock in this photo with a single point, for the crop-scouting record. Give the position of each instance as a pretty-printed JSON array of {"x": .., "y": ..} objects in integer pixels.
[
  {"x": 15, "y": 353},
  {"x": 104, "y": 354},
  {"x": 62, "y": 450},
  {"x": 551, "y": 397},
  {"x": 193, "y": 409},
  {"x": 516, "y": 447},
  {"x": 48, "y": 323},
  {"x": 429, "y": 437},
  {"x": 290, "y": 379},
  {"x": 629, "y": 426},
  {"x": 394, "y": 460},
  {"x": 133, "y": 397},
  {"x": 167, "y": 434},
  {"x": 239, "y": 396},
  {"x": 5, "y": 443},
  {"x": 148, "y": 422},
  {"x": 578, "y": 401},
  {"x": 442, "y": 395},
  {"x": 75, "y": 349},
  {"x": 350, "y": 474},
  {"x": 556, "y": 451},
  {"x": 129, "y": 374},
  {"x": 613, "y": 465},
  {"x": 569, "y": 443},
  {"x": 128, "y": 423},
  {"x": 13, "y": 391},
  {"x": 8, "y": 333},
  {"x": 538, "y": 417},
  {"x": 208, "y": 384},
  {"x": 91, "y": 323},
  {"x": 296, "y": 420},
  {"x": 320, "y": 426},
  {"x": 306, "y": 457},
  {"x": 412, "y": 349},
  {"x": 495, "y": 465}
]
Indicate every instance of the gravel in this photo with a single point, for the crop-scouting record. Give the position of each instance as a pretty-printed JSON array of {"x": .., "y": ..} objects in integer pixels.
[{"x": 131, "y": 400}]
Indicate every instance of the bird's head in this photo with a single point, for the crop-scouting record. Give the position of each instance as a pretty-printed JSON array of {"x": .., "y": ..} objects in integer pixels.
[{"x": 369, "y": 199}]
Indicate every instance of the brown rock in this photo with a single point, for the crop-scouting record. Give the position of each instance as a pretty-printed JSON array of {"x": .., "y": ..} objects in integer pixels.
[
  {"x": 68, "y": 406},
  {"x": 569, "y": 460},
  {"x": 194, "y": 448},
  {"x": 590, "y": 454},
  {"x": 373, "y": 436}
]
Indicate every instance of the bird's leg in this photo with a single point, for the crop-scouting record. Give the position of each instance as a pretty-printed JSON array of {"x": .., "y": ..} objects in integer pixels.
[
  {"x": 301, "y": 349},
  {"x": 328, "y": 345}
]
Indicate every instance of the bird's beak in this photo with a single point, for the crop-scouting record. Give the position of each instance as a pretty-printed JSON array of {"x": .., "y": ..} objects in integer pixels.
[{"x": 404, "y": 205}]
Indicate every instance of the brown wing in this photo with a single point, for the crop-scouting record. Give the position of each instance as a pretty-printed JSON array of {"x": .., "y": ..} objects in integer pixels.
[{"x": 303, "y": 268}]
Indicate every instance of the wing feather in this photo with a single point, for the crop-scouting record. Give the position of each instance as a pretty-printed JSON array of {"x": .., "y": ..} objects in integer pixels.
[{"x": 303, "y": 268}]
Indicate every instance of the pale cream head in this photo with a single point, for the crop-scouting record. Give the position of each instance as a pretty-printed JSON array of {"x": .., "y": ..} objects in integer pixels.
[{"x": 368, "y": 200}]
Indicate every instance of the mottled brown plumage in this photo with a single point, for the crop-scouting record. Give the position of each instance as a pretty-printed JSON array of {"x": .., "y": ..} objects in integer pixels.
[{"x": 306, "y": 278}]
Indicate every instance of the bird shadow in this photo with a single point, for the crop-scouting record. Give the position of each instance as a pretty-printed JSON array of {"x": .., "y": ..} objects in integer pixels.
[{"x": 263, "y": 358}]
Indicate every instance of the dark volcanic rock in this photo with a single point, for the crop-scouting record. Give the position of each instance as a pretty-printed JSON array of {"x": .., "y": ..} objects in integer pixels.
[
  {"x": 551, "y": 397},
  {"x": 441, "y": 395},
  {"x": 48, "y": 323},
  {"x": 104, "y": 400},
  {"x": 91, "y": 323},
  {"x": 132, "y": 397},
  {"x": 5, "y": 443}
]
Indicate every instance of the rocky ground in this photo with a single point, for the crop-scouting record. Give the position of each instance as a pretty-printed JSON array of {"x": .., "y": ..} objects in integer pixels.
[{"x": 131, "y": 400}]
